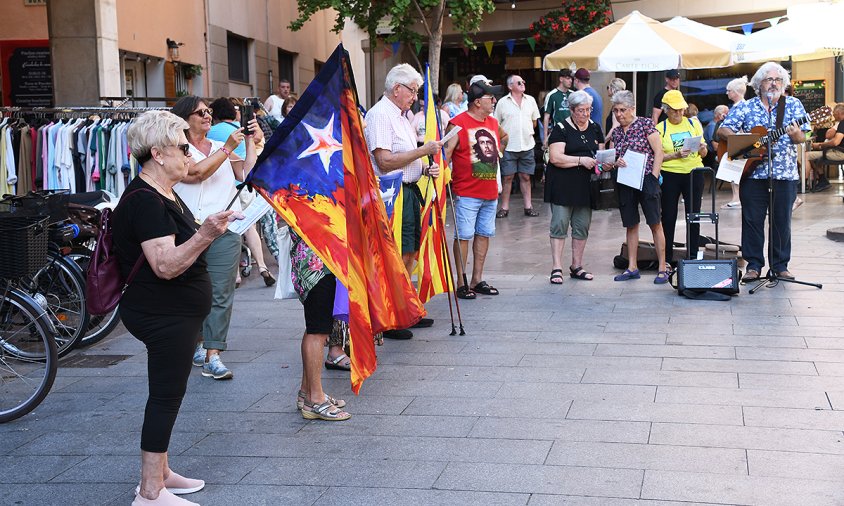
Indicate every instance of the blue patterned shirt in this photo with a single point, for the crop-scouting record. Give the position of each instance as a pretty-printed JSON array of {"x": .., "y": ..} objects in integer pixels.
[{"x": 751, "y": 113}]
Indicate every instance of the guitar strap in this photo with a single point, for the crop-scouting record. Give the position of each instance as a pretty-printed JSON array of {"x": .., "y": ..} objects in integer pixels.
[{"x": 780, "y": 113}]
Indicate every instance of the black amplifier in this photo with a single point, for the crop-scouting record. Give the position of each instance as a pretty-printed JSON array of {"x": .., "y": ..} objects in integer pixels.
[{"x": 714, "y": 275}]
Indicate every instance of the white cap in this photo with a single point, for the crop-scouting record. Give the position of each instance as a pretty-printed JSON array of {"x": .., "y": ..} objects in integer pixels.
[{"x": 479, "y": 77}]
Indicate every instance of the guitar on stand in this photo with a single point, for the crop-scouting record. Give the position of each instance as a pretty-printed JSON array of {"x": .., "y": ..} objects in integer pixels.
[{"x": 752, "y": 146}]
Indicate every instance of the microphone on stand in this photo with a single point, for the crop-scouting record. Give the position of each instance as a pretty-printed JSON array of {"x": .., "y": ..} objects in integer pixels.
[{"x": 770, "y": 96}]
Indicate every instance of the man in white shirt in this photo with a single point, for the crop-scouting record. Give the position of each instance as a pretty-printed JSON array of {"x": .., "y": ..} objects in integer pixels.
[
  {"x": 273, "y": 104},
  {"x": 392, "y": 142},
  {"x": 517, "y": 114}
]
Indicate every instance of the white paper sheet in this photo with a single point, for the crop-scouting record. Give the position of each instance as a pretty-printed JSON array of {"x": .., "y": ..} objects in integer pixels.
[
  {"x": 447, "y": 137},
  {"x": 634, "y": 173},
  {"x": 605, "y": 155},
  {"x": 692, "y": 144},
  {"x": 253, "y": 213},
  {"x": 730, "y": 170}
]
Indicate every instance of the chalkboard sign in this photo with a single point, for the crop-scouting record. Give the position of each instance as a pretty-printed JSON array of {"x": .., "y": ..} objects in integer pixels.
[
  {"x": 31, "y": 77},
  {"x": 811, "y": 93}
]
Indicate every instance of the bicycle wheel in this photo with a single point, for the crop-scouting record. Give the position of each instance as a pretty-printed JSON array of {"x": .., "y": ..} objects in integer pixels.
[
  {"x": 59, "y": 285},
  {"x": 28, "y": 357},
  {"x": 99, "y": 326}
]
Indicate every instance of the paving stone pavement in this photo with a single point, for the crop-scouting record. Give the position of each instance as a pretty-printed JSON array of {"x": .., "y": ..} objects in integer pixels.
[{"x": 593, "y": 393}]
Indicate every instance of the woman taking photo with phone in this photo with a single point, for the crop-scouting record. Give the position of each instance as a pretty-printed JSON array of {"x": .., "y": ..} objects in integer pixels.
[{"x": 208, "y": 188}]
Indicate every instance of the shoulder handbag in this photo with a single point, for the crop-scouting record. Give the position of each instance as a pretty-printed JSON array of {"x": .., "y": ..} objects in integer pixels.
[{"x": 104, "y": 285}]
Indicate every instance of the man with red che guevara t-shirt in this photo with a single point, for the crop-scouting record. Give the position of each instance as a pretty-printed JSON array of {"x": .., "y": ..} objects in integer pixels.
[{"x": 474, "y": 153}]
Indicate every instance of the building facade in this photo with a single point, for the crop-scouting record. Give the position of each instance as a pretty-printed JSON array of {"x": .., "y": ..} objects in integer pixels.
[{"x": 151, "y": 52}]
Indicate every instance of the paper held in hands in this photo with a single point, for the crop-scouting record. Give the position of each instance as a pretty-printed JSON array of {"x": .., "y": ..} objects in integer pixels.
[
  {"x": 634, "y": 173},
  {"x": 253, "y": 213},
  {"x": 605, "y": 155},
  {"x": 730, "y": 170},
  {"x": 692, "y": 144},
  {"x": 451, "y": 133}
]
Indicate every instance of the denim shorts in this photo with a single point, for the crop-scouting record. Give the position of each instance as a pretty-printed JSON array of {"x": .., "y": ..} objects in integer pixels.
[{"x": 474, "y": 217}]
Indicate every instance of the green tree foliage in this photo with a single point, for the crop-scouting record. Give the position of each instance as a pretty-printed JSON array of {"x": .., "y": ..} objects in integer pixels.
[{"x": 410, "y": 21}]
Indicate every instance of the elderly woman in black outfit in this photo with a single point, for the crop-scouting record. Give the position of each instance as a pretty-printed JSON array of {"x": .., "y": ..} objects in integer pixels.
[
  {"x": 170, "y": 296},
  {"x": 572, "y": 147}
]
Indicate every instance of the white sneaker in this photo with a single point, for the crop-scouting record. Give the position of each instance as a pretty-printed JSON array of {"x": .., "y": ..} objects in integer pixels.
[
  {"x": 215, "y": 368},
  {"x": 179, "y": 485},
  {"x": 165, "y": 498}
]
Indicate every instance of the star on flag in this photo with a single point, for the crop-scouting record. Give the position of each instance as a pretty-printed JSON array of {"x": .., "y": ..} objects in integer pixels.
[{"x": 324, "y": 144}]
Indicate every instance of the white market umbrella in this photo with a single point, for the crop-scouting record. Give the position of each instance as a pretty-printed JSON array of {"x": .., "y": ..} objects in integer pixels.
[
  {"x": 788, "y": 39},
  {"x": 722, "y": 38},
  {"x": 812, "y": 32},
  {"x": 637, "y": 43}
]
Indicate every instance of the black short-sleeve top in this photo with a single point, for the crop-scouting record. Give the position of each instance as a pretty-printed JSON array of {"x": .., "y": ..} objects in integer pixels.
[
  {"x": 146, "y": 215},
  {"x": 570, "y": 186}
]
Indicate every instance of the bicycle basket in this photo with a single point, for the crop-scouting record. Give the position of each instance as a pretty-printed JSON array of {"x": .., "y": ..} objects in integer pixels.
[
  {"x": 23, "y": 244},
  {"x": 51, "y": 203}
]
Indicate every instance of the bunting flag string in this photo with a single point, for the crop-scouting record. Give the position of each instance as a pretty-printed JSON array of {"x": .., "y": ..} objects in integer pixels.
[
  {"x": 488, "y": 45},
  {"x": 510, "y": 43}
]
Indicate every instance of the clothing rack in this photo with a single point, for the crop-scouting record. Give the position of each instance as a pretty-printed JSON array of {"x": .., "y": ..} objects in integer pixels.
[
  {"x": 72, "y": 109},
  {"x": 80, "y": 148}
]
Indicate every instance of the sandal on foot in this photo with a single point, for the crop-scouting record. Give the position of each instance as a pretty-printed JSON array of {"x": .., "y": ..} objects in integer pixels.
[
  {"x": 341, "y": 363},
  {"x": 300, "y": 400},
  {"x": 269, "y": 280},
  {"x": 485, "y": 288},
  {"x": 661, "y": 277},
  {"x": 557, "y": 277},
  {"x": 530, "y": 212},
  {"x": 628, "y": 274},
  {"x": 325, "y": 411},
  {"x": 463, "y": 292},
  {"x": 502, "y": 213},
  {"x": 750, "y": 276},
  {"x": 580, "y": 273}
]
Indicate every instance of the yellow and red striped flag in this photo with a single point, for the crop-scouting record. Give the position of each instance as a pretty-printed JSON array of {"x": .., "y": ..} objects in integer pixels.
[{"x": 432, "y": 267}]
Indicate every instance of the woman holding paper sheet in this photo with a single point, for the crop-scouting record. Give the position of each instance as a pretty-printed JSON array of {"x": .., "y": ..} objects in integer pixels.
[
  {"x": 572, "y": 145},
  {"x": 638, "y": 135},
  {"x": 677, "y": 163}
]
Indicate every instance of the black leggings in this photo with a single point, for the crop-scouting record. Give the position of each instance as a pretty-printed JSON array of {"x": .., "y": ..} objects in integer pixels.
[
  {"x": 170, "y": 342},
  {"x": 674, "y": 185}
]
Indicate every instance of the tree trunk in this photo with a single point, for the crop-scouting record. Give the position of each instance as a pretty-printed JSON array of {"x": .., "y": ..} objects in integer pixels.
[{"x": 435, "y": 44}]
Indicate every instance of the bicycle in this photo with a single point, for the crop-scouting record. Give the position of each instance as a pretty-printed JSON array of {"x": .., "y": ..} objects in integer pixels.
[
  {"x": 60, "y": 282},
  {"x": 28, "y": 354}
]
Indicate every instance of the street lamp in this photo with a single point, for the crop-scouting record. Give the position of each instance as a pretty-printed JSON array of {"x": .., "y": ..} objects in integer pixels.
[{"x": 173, "y": 49}]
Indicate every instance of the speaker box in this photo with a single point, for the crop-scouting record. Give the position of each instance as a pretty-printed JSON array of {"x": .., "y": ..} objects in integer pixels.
[{"x": 715, "y": 275}]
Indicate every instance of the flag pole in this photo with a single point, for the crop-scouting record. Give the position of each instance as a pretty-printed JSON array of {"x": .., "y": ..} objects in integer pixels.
[
  {"x": 459, "y": 258},
  {"x": 236, "y": 195}
]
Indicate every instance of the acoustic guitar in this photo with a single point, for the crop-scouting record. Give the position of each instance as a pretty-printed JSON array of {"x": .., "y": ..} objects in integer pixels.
[{"x": 756, "y": 153}]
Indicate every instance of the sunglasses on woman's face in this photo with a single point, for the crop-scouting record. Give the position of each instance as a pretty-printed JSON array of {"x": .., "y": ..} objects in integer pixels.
[
  {"x": 185, "y": 148},
  {"x": 203, "y": 112}
]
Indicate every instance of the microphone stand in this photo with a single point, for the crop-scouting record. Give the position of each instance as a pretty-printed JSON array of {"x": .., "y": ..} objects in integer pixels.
[{"x": 771, "y": 279}]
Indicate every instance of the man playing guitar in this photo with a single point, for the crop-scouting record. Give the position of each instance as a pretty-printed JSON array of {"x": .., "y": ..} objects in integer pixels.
[{"x": 768, "y": 83}]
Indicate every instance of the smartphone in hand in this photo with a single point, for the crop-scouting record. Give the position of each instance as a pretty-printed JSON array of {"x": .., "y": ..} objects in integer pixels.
[{"x": 246, "y": 115}]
